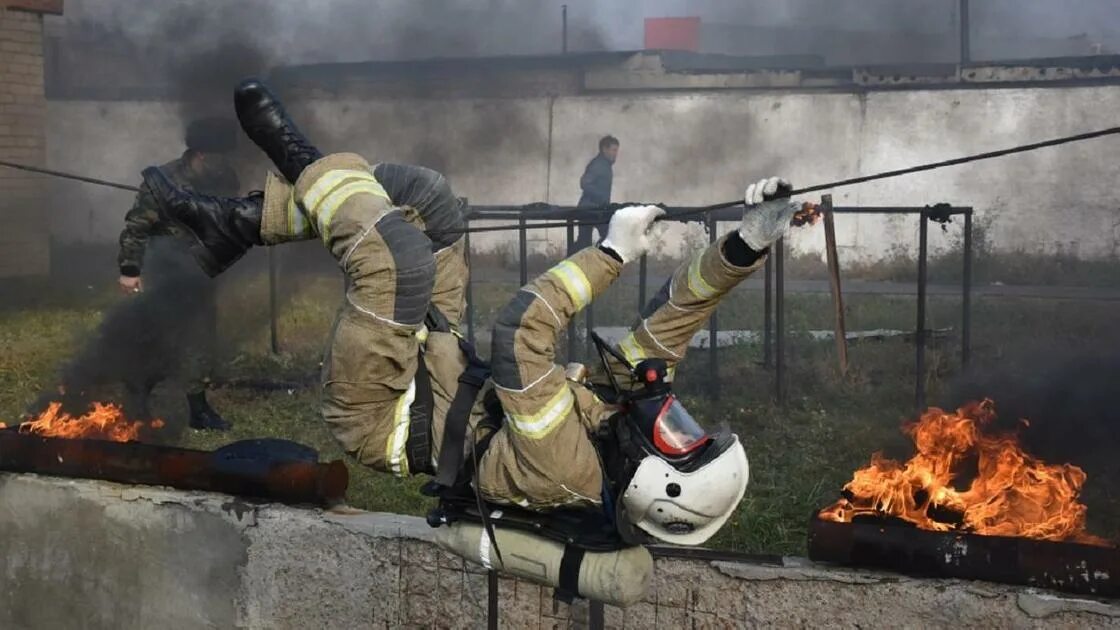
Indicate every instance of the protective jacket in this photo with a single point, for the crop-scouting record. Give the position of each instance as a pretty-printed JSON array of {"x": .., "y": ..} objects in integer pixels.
[
  {"x": 395, "y": 231},
  {"x": 145, "y": 219}
]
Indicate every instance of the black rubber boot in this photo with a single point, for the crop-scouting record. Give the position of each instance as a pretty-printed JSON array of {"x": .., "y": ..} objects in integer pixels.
[
  {"x": 267, "y": 124},
  {"x": 224, "y": 227},
  {"x": 203, "y": 416}
]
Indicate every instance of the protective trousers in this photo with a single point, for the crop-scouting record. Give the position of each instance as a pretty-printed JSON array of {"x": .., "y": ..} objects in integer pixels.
[{"x": 372, "y": 219}]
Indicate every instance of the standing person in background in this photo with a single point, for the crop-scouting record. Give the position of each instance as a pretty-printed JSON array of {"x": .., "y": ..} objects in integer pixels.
[
  {"x": 173, "y": 300},
  {"x": 596, "y": 184}
]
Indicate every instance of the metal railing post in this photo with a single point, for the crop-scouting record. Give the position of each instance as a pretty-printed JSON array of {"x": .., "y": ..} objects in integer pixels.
[
  {"x": 570, "y": 249},
  {"x": 523, "y": 249},
  {"x": 492, "y": 600},
  {"x": 780, "y": 321},
  {"x": 643, "y": 279},
  {"x": 470, "y": 282},
  {"x": 273, "y": 301},
  {"x": 768, "y": 312},
  {"x": 713, "y": 328},
  {"x": 966, "y": 292},
  {"x": 920, "y": 330}
]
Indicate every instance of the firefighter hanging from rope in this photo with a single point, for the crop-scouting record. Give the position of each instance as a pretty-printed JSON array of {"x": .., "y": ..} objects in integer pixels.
[{"x": 572, "y": 475}]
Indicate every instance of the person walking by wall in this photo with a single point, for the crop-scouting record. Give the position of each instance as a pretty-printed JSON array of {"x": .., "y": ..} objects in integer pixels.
[{"x": 596, "y": 184}]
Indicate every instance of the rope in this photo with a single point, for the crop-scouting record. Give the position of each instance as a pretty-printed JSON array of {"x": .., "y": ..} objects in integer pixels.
[
  {"x": 80, "y": 178},
  {"x": 685, "y": 212}
]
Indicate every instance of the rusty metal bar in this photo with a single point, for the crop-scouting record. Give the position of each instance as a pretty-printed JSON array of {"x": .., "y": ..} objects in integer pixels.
[
  {"x": 227, "y": 470},
  {"x": 878, "y": 543},
  {"x": 834, "y": 281}
]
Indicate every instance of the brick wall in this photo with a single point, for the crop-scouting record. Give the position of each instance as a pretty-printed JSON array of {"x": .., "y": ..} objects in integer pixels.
[{"x": 24, "y": 224}]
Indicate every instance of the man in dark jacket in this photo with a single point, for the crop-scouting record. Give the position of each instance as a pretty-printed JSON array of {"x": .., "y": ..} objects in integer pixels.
[
  {"x": 596, "y": 184},
  {"x": 156, "y": 249}
]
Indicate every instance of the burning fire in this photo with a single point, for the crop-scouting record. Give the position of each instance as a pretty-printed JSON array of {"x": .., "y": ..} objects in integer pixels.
[
  {"x": 104, "y": 421},
  {"x": 1012, "y": 493}
]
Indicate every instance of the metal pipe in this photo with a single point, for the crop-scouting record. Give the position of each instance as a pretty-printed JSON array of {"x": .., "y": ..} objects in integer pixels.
[
  {"x": 571, "y": 245},
  {"x": 920, "y": 330},
  {"x": 643, "y": 279},
  {"x": 834, "y": 282},
  {"x": 470, "y": 285},
  {"x": 523, "y": 250},
  {"x": 492, "y": 600},
  {"x": 713, "y": 329},
  {"x": 564, "y": 29},
  {"x": 780, "y": 317},
  {"x": 965, "y": 22},
  {"x": 877, "y": 543},
  {"x": 273, "y": 300},
  {"x": 242, "y": 468},
  {"x": 768, "y": 312},
  {"x": 596, "y": 615},
  {"x": 966, "y": 293}
]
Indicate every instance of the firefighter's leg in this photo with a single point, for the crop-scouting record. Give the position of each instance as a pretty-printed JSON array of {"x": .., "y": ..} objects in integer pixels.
[
  {"x": 426, "y": 198},
  {"x": 371, "y": 361}
]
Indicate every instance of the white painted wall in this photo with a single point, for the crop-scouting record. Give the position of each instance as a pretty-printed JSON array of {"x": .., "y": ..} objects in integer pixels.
[{"x": 685, "y": 148}]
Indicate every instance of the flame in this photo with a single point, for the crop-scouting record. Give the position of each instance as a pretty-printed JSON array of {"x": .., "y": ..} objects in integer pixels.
[
  {"x": 104, "y": 421},
  {"x": 1012, "y": 493}
]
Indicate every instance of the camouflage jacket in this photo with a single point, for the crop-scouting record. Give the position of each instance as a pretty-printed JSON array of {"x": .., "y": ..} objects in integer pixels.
[{"x": 146, "y": 220}]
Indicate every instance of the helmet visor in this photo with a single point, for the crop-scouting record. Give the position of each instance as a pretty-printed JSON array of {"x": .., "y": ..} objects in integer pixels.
[{"x": 676, "y": 432}]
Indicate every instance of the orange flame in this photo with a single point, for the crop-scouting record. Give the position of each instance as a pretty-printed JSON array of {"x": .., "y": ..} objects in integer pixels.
[
  {"x": 1012, "y": 493},
  {"x": 104, "y": 421}
]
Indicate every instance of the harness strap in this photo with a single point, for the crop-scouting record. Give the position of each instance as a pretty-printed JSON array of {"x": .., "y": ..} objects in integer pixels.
[
  {"x": 418, "y": 448},
  {"x": 458, "y": 417},
  {"x": 569, "y": 571}
]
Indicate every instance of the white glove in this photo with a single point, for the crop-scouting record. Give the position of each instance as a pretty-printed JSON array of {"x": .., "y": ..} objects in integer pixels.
[
  {"x": 766, "y": 220},
  {"x": 632, "y": 231}
]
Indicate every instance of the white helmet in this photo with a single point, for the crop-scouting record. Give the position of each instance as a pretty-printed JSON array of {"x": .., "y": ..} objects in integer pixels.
[
  {"x": 671, "y": 479},
  {"x": 687, "y": 507}
]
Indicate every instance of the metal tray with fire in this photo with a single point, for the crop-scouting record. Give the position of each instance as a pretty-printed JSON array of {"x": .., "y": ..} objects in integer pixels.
[{"x": 971, "y": 504}]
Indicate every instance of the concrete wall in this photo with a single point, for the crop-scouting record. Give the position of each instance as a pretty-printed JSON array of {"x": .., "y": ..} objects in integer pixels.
[
  {"x": 82, "y": 554},
  {"x": 25, "y": 236},
  {"x": 690, "y": 147}
]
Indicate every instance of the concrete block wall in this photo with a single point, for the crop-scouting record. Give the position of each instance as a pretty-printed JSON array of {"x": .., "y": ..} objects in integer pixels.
[
  {"x": 92, "y": 555},
  {"x": 25, "y": 237}
]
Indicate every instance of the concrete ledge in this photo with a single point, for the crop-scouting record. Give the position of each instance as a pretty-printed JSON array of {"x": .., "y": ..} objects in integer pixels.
[{"x": 99, "y": 555}]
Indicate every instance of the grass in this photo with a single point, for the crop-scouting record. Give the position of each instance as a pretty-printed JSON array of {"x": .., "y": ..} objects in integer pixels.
[{"x": 801, "y": 453}]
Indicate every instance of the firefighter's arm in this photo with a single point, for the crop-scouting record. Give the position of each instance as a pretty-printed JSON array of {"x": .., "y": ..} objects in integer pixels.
[
  {"x": 139, "y": 224},
  {"x": 682, "y": 306},
  {"x": 427, "y": 192},
  {"x": 524, "y": 343}
]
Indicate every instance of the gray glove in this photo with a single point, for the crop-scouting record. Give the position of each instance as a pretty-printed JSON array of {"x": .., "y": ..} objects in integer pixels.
[{"x": 766, "y": 219}]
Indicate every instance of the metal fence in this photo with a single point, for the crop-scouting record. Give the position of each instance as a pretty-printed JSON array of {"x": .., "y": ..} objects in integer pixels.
[{"x": 774, "y": 334}]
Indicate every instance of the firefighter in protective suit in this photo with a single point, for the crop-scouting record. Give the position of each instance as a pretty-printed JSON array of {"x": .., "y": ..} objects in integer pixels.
[{"x": 394, "y": 384}]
